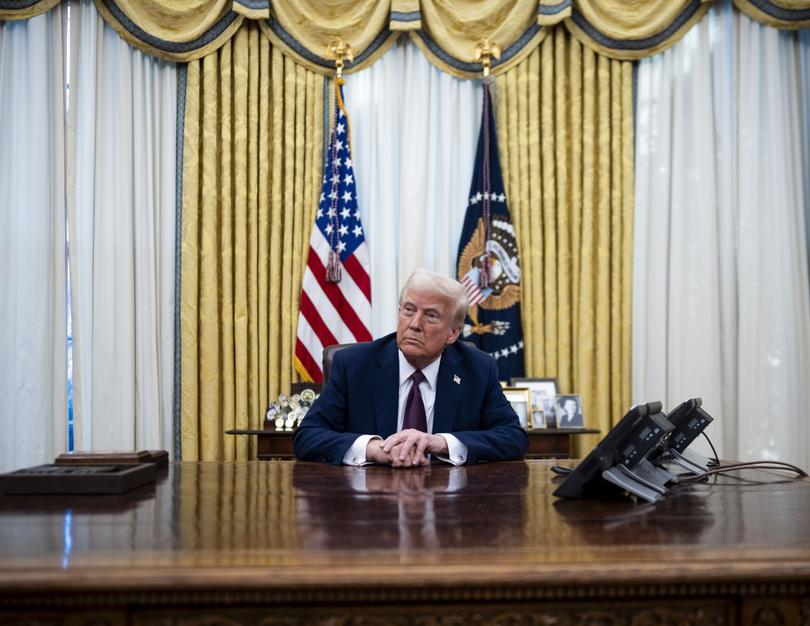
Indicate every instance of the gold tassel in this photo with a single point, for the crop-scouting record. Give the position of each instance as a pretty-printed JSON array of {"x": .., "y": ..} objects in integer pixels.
[{"x": 334, "y": 270}]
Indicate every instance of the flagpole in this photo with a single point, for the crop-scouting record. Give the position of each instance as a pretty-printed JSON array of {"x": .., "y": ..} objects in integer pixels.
[
  {"x": 340, "y": 50},
  {"x": 485, "y": 51},
  {"x": 335, "y": 303},
  {"x": 488, "y": 246}
]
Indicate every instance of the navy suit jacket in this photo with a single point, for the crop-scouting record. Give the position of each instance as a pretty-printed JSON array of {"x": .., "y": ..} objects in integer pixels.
[{"x": 361, "y": 398}]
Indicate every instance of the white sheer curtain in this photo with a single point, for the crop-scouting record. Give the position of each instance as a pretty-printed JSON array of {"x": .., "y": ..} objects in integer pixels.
[
  {"x": 33, "y": 365},
  {"x": 414, "y": 134},
  {"x": 720, "y": 303},
  {"x": 121, "y": 210}
]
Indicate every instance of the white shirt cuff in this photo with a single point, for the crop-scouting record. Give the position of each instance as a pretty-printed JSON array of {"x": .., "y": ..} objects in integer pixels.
[
  {"x": 356, "y": 455},
  {"x": 456, "y": 451}
]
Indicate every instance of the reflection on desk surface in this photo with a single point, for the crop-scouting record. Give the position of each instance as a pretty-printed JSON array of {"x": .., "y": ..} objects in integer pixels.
[
  {"x": 423, "y": 508},
  {"x": 278, "y": 513}
]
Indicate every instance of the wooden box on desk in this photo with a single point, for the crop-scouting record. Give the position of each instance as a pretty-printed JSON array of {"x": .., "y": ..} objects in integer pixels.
[
  {"x": 114, "y": 457},
  {"x": 77, "y": 479}
]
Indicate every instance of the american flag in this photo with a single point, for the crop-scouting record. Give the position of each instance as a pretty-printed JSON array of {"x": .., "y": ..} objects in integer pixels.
[{"x": 335, "y": 295}]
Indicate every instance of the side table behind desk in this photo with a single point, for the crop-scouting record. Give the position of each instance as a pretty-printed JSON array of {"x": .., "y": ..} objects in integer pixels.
[{"x": 545, "y": 443}]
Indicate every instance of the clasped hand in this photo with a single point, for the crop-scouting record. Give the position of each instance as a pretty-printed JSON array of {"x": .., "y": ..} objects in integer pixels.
[{"x": 407, "y": 448}]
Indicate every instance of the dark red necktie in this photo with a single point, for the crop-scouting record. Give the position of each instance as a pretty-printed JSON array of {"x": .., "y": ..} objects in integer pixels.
[{"x": 414, "y": 407}]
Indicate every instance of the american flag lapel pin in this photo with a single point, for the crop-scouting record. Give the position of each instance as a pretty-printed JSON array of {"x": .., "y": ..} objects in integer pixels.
[{"x": 456, "y": 379}]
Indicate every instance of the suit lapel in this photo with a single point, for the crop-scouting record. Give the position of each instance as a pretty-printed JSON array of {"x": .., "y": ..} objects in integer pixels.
[
  {"x": 449, "y": 391},
  {"x": 385, "y": 387}
]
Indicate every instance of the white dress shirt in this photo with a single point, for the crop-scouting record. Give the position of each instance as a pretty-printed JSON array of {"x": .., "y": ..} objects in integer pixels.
[{"x": 457, "y": 451}]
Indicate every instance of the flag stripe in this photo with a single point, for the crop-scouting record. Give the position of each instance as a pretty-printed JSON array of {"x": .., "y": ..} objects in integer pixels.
[
  {"x": 359, "y": 276},
  {"x": 348, "y": 287},
  {"x": 326, "y": 309},
  {"x": 338, "y": 300},
  {"x": 305, "y": 360},
  {"x": 305, "y": 364},
  {"x": 329, "y": 314},
  {"x": 316, "y": 323},
  {"x": 310, "y": 340}
]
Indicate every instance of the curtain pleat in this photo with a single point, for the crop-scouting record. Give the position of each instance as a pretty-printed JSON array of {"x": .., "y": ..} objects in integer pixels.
[
  {"x": 252, "y": 128},
  {"x": 33, "y": 323},
  {"x": 566, "y": 117},
  {"x": 722, "y": 309},
  {"x": 121, "y": 216}
]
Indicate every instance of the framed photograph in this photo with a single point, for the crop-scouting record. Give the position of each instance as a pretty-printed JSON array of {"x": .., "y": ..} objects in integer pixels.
[
  {"x": 569, "y": 412},
  {"x": 538, "y": 418},
  {"x": 521, "y": 400},
  {"x": 544, "y": 397}
]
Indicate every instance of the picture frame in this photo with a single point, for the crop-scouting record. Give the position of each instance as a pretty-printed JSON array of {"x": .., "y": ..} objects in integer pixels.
[
  {"x": 521, "y": 400},
  {"x": 544, "y": 397},
  {"x": 538, "y": 418},
  {"x": 569, "y": 411}
]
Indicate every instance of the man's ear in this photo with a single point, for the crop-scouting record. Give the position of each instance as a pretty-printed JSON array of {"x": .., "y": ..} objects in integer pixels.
[{"x": 453, "y": 335}]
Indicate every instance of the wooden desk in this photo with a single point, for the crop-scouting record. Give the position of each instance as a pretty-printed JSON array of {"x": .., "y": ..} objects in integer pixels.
[
  {"x": 298, "y": 543},
  {"x": 544, "y": 443}
]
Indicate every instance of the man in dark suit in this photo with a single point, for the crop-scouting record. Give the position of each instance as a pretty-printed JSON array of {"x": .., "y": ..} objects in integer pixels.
[{"x": 414, "y": 393}]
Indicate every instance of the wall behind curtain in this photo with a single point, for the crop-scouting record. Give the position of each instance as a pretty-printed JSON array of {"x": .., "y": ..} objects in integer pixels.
[
  {"x": 251, "y": 170},
  {"x": 33, "y": 327},
  {"x": 121, "y": 214},
  {"x": 721, "y": 303}
]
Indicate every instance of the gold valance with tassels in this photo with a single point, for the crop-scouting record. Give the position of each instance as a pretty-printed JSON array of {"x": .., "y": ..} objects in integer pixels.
[
  {"x": 777, "y": 13},
  {"x": 175, "y": 30},
  {"x": 22, "y": 10},
  {"x": 628, "y": 29},
  {"x": 447, "y": 31},
  {"x": 303, "y": 29}
]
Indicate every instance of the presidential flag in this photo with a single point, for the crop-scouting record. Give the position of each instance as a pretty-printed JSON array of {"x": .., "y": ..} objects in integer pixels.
[
  {"x": 488, "y": 264},
  {"x": 336, "y": 289}
]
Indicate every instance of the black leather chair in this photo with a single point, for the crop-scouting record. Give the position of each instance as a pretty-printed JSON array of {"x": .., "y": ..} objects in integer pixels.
[{"x": 328, "y": 355}]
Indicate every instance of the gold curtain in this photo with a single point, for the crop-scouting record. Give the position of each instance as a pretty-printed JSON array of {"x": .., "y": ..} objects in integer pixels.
[
  {"x": 179, "y": 31},
  {"x": 633, "y": 29},
  {"x": 252, "y": 155},
  {"x": 565, "y": 125},
  {"x": 303, "y": 30},
  {"x": 25, "y": 10},
  {"x": 447, "y": 31},
  {"x": 777, "y": 13}
]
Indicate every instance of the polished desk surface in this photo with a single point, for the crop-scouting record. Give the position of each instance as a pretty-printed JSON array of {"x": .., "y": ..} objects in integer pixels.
[{"x": 295, "y": 525}]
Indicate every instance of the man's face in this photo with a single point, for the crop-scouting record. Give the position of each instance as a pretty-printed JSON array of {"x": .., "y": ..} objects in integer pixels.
[
  {"x": 570, "y": 406},
  {"x": 425, "y": 326}
]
